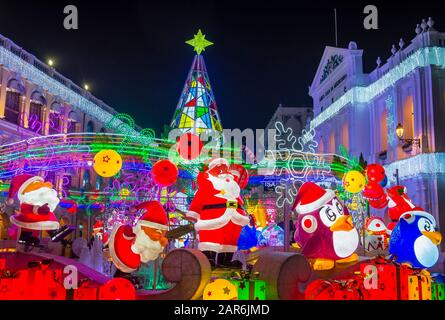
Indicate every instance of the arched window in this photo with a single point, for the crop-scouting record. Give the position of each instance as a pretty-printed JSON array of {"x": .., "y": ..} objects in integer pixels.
[
  {"x": 345, "y": 135},
  {"x": 331, "y": 145},
  {"x": 14, "y": 91},
  {"x": 90, "y": 126},
  {"x": 99, "y": 182},
  {"x": 35, "y": 112},
  {"x": 408, "y": 118},
  {"x": 321, "y": 146},
  {"x": 86, "y": 179},
  {"x": 383, "y": 131},
  {"x": 73, "y": 122},
  {"x": 55, "y": 118}
]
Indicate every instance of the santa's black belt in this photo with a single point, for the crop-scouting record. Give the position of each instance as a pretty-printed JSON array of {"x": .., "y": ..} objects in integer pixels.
[{"x": 228, "y": 204}]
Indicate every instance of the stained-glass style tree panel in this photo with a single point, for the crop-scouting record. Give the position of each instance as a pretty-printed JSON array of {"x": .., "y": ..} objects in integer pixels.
[{"x": 196, "y": 110}]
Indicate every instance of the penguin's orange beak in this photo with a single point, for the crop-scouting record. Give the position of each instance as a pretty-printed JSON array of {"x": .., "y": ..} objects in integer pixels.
[
  {"x": 435, "y": 237},
  {"x": 344, "y": 223}
]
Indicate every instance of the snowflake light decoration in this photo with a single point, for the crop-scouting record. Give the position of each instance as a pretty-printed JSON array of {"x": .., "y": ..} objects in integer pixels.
[{"x": 297, "y": 162}]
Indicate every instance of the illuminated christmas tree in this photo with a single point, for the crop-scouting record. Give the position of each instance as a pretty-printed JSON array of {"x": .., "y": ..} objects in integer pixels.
[{"x": 196, "y": 110}]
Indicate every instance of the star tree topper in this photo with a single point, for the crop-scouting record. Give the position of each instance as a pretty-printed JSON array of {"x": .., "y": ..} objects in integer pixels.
[{"x": 199, "y": 42}]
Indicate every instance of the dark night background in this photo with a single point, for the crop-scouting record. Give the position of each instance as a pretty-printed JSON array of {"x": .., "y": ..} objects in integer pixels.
[{"x": 133, "y": 55}]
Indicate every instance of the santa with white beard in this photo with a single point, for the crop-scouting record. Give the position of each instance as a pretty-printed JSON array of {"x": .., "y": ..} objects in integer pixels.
[
  {"x": 131, "y": 246},
  {"x": 38, "y": 200},
  {"x": 218, "y": 213}
]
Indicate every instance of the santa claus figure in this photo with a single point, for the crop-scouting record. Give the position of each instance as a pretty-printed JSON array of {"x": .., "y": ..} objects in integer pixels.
[
  {"x": 98, "y": 232},
  {"x": 324, "y": 231},
  {"x": 217, "y": 210},
  {"x": 399, "y": 203},
  {"x": 131, "y": 246},
  {"x": 38, "y": 200}
]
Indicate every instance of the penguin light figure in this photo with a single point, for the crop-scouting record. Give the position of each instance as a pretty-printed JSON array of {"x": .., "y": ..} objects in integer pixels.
[
  {"x": 324, "y": 231},
  {"x": 415, "y": 241}
]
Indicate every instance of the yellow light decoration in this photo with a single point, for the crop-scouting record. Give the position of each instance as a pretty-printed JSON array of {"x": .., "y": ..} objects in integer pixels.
[
  {"x": 124, "y": 193},
  {"x": 354, "y": 181},
  {"x": 107, "y": 163},
  {"x": 165, "y": 195},
  {"x": 260, "y": 214},
  {"x": 220, "y": 289}
]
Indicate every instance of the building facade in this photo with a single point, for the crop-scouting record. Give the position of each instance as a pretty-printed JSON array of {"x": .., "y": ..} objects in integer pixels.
[
  {"x": 36, "y": 100},
  {"x": 363, "y": 110},
  {"x": 291, "y": 117}
]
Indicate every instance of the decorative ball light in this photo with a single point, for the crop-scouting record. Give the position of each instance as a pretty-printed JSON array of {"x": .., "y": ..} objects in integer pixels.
[
  {"x": 107, "y": 163},
  {"x": 220, "y": 289},
  {"x": 117, "y": 289},
  {"x": 164, "y": 173},
  {"x": 189, "y": 146},
  {"x": 354, "y": 181},
  {"x": 375, "y": 173}
]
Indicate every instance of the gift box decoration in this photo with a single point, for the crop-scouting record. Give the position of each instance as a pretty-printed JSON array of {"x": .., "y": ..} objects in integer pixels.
[
  {"x": 249, "y": 287},
  {"x": 437, "y": 291},
  {"x": 334, "y": 290},
  {"x": 385, "y": 280},
  {"x": 382, "y": 280},
  {"x": 320, "y": 290},
  {"x": 56, "y": 293},
  {"x": 9, "y": 289},
  {"x": 419, "y": 286},
  {"x": 86, "y": 293}
]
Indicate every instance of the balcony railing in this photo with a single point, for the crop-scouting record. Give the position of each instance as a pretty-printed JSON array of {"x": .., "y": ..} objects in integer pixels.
[{"x": 52, "y": 73}]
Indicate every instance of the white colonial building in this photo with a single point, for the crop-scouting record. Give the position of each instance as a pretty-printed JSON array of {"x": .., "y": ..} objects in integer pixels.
[{"x": 362, "y": 111}]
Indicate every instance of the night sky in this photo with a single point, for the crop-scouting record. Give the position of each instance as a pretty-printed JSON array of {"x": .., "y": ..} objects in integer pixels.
[{"x": 133, "y": 55}]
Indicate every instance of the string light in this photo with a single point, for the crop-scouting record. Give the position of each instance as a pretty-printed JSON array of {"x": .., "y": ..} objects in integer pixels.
[
  {"x": 54, "y": 87},
  {"x": 425, "y": 163},
  {"x": 356, "y": 95}
]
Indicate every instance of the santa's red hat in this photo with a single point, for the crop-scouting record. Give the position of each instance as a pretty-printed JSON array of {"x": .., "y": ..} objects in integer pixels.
[
  {"x": 218, "y": 162},
  {"x": 311, "y": 197},
  {"x": 154, "y": 216},
  {"x": 240, "y": 174},
  {"x": 19, "y": 184},
  {"x": 98, "y": 225}
]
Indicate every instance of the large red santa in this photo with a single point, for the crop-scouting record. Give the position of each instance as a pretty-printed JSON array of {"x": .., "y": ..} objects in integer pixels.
[
  {"x": 131, "y": 246},
  {"x": 217, "y": 210},
  {"x": 38, "y": 200}
]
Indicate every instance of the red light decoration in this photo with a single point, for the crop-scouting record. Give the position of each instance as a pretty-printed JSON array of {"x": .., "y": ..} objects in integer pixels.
[
  {"x": 240, "y": 174},
  {"x": 375, "y": 173},
  {"x": 117, "y": 289},
  {"x": 164, "y": 173},
  {"x": 189, "y": 146}
]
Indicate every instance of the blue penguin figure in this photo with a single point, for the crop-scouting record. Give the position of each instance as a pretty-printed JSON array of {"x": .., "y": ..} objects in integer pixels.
[{"x": 415, "y": 240}]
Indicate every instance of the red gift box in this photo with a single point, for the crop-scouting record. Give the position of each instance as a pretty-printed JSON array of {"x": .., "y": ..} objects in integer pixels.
[
  {"x": 2, "y": 264},
  {"x": 86, "y": 293},
  {"x": 384, "y": 280},
  {"x": 56, "y": 293},
  {"x": 334, "y": 290},
  {"x": 9, "y": 289}
]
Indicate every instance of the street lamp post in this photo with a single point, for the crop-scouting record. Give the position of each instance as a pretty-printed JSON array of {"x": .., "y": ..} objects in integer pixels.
[{"x": 399, "y": 132}]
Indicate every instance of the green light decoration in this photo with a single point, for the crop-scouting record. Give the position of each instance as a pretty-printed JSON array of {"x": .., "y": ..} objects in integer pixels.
[
  {"x": 146, "y": 274},
  {"x": 196, "y": 111},
  {"x": 252, "y": 289},
  {"x": 199, "y": 42}
]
